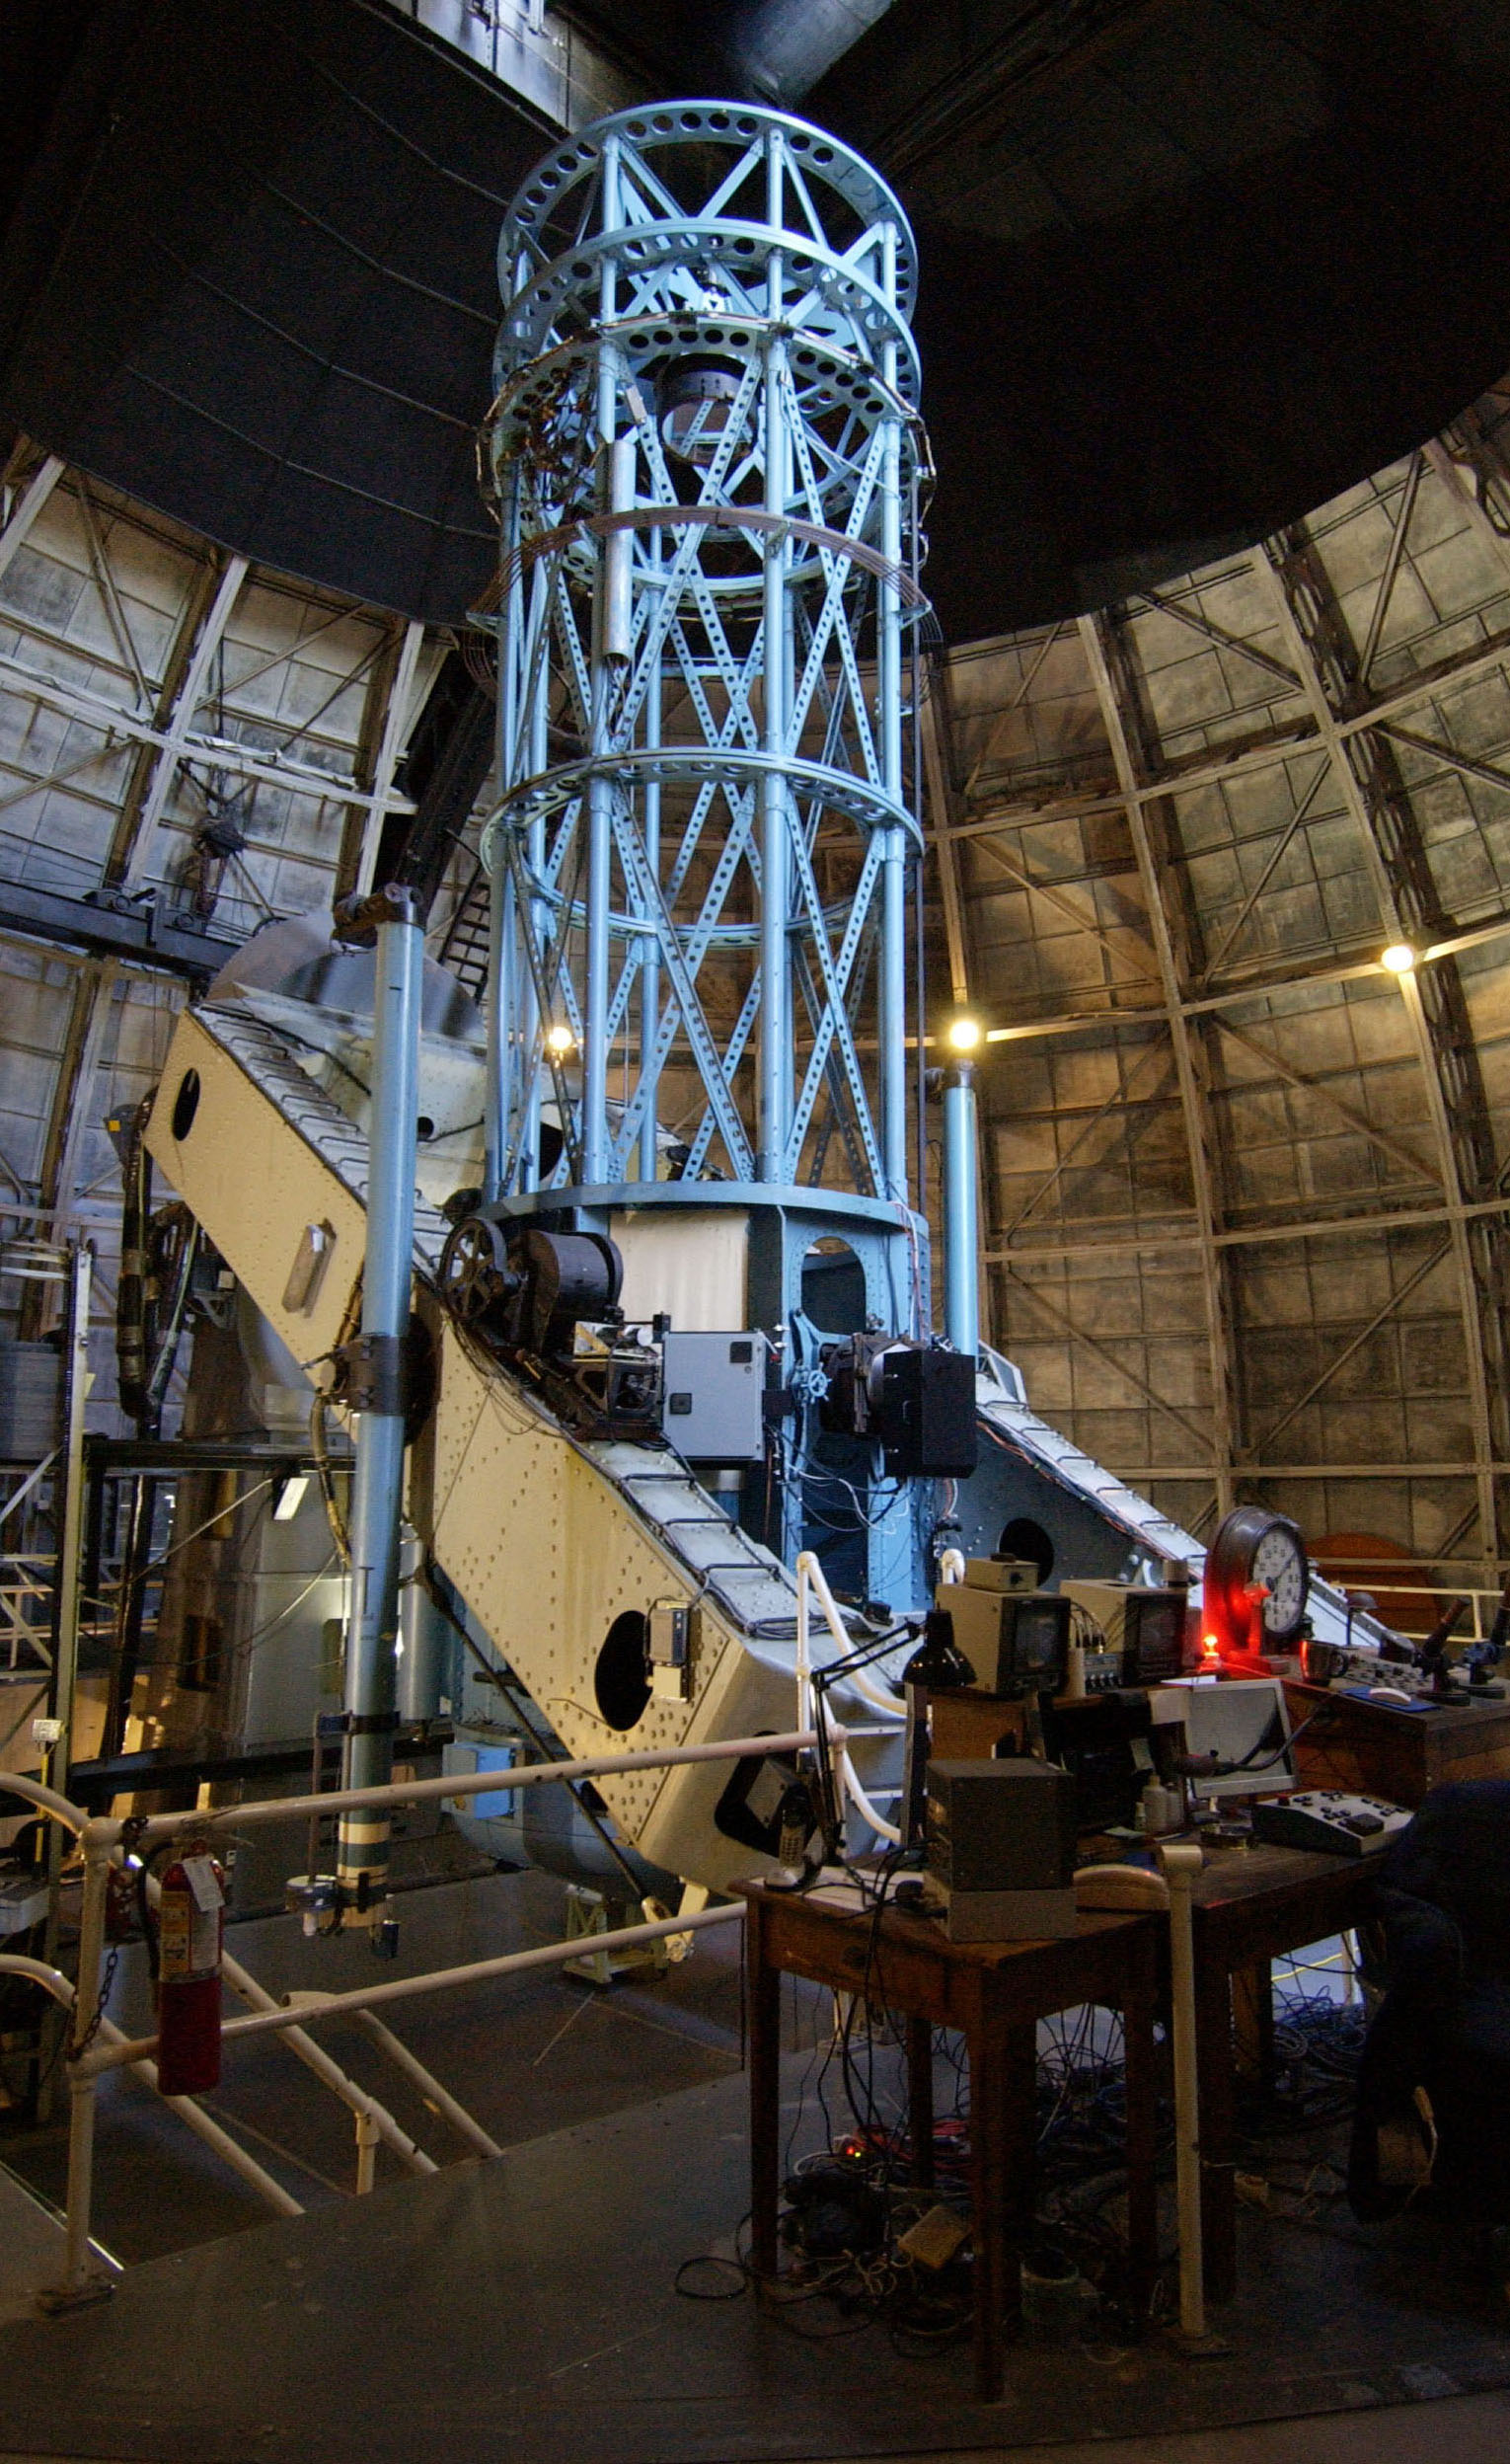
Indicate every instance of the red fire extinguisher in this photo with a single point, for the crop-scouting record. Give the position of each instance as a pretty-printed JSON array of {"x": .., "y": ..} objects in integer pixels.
[{"x": 190, "y": 1919}]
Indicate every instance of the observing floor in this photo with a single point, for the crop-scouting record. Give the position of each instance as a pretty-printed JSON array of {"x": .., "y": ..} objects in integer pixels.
[
  {"x": 1474, "y": 2430},
  {"x": 526, "y": 2312},
  {"x": 539, "y": 2293}
]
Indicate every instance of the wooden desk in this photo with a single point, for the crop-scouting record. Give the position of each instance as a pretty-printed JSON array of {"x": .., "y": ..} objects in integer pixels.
[
  {"x": 1383, "y": 1750},
  {"x": 1247, "y": 1907},
  {"x": 994, "y": 1994}
]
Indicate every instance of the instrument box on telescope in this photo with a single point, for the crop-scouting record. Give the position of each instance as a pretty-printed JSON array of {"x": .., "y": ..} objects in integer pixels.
[
  {"x": 927, "y": 1416},
  {"x": 1000, "y": 1574},
  {"x": 1000, "y": 1841},
  {"x": 713, "y": 1388}
]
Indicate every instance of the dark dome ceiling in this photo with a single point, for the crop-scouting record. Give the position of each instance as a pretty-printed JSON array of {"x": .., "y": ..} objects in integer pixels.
[{"x": 1189, "y": 267}]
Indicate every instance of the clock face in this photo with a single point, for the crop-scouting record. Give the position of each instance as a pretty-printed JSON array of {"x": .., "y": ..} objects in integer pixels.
[
  {"x": 1279, "y": 1562},
  {"x": 1254, "y": 1546}
]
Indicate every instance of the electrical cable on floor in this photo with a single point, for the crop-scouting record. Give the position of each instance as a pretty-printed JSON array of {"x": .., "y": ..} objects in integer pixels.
[{"x": 1082, "y": 2179}]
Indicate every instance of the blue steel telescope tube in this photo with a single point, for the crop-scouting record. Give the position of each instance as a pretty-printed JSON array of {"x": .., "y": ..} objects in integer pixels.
[
  {"x": 706, "y": 447},
  {"x": 375, "y": 1386}
]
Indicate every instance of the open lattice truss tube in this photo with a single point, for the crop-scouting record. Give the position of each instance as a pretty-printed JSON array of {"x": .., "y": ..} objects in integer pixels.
[{"x": 703, "y": 863}]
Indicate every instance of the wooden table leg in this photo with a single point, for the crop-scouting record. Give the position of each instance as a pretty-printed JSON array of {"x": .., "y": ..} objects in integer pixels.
[
  {"x": 763, "y": 2004},
  {"x": 1021, "y": 2071},
  {"x": 988, "y": 2199},
  {"x": 1003, "y": 2124},
  {"x": 1138, "y": 2012},
  {"x": 1252, "y": 2020},
  {"x": 1214, "y": 2076},
  {"x": 919, "y": 2100}
]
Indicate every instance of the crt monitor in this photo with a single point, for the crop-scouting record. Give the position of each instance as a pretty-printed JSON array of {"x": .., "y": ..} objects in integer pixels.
[
  {"x": 1154, "y": 1636},
  {"x": 1036, "y": 1630},
  {"x": 1244, "y": 1723}
]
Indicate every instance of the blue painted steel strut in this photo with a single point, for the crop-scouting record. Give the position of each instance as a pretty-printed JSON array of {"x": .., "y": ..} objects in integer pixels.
[
  {"x": 377, "y": 1490},
  {"x": 706, "y": 446}
]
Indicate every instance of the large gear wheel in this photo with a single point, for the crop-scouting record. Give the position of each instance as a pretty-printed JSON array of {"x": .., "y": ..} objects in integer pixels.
[{"x": 476, "y": 1280}]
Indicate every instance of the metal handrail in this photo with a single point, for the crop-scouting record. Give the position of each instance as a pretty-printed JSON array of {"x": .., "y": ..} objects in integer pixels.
[
  {"x": 362, "y": 1998},
  {"x": 100, "y": 1839},
  {"x": 52, "y": 1980}
]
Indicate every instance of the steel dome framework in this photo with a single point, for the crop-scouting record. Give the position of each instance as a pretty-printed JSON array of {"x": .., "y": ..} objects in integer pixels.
[{"x": 1245, "y": 1185}]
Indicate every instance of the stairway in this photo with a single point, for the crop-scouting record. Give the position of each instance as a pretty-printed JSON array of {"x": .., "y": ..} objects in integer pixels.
[{"x": 465, "y": 947}]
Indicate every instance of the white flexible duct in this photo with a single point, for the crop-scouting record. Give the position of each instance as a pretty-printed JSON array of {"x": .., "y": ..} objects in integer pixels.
[
  {"x": 810, "y": 1576},
  {"x": 810, "y": 1573},
  {"x": 862, "y": 1804}
]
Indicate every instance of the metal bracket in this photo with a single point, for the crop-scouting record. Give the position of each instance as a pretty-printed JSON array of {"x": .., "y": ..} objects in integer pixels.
[
  {"x": 356, "y": 919},
  {"x": 372, "y": 1374},
  {"x": 669, "y": 1651},
  {"x": 390, "y": 1373},
  {"x": 358, "y": 1723}
]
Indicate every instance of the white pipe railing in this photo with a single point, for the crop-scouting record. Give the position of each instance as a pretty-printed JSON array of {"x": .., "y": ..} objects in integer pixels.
[
  {"x": 52, "y": 1980},
  {"x": 446, "y": 2104},
  {"x": 1168, "y": 1894},
  {"x": 434, "y": 1980},
  {"x": 101, "y": 1837},
  {"x": 369, "y": 2111},
  {"x": 448, "y": 1784}
]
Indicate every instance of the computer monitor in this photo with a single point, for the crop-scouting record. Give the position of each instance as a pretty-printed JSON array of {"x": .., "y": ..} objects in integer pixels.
[
  {"x": 1038, "y": 1626},
  {"x": 1246, "y": 1723}
]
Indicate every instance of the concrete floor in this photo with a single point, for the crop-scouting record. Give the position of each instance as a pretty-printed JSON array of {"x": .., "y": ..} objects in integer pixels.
[
  {"x": 1472, "y": 2429},
  {"x": 550, "y": 2053}
]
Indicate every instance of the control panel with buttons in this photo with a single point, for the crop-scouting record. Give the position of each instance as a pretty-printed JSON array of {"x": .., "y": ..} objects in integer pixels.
[{"x": 1327, "y": 1818}]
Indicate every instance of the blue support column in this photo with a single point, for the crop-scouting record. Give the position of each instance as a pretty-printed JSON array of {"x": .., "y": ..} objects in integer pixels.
[
  {"x": 502, "y": 1005},
  {"x": 600, "y": 793},
  {"x": 650, "y": 964},
  {"x": 376, "y": 1367},
  {"x": 774, "y": 892},
  {"x": 893, "y": 953},
  {"x": 961, "y": 1212}
]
